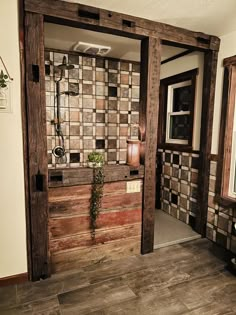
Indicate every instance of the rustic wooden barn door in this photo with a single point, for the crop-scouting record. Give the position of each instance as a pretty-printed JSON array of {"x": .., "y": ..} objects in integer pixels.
[{"x": 37, "y": 147}]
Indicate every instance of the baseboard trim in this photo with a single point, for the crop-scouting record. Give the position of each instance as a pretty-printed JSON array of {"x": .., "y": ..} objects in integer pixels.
[{"x": 15, "y": 279}]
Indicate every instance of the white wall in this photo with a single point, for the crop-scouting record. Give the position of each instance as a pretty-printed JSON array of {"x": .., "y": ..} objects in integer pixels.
[
  {"x": 12, "y": 207},
  {"x": 227, "y": 49},
  {"x": 186, "y": 63}
]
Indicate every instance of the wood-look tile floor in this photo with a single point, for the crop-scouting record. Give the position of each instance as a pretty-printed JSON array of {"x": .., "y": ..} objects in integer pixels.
[{"x": 187, "y": 278}]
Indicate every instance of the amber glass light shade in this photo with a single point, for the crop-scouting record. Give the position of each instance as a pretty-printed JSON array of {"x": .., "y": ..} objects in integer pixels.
[
  {"x": 142, "y": 152},
  {"x": 133, "y": 153}
]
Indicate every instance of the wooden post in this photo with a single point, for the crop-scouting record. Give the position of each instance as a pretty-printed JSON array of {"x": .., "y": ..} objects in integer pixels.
[
  {"x": 208, "y": 96},
  {"x": 149, "y": 102},
  {"x": 37, "y": 145}
]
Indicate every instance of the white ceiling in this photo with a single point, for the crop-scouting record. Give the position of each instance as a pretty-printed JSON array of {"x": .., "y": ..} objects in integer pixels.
[
  {"x": 215, "y": 17},
  {"x": 64, "y": 37}
]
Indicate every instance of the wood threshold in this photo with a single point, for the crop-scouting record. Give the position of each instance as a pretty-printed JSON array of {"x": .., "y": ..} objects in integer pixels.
[{"x": 16, "y": 279}]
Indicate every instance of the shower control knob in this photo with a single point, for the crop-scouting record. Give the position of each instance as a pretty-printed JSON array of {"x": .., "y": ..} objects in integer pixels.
[{"x": 58, "y": 151}]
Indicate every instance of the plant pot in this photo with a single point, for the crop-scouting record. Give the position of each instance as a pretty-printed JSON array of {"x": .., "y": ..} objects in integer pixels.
[{"x": 94, "y": 164}]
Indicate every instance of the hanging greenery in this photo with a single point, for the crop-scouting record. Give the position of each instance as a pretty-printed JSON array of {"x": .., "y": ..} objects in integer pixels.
[
  {"x": 96, "y": 198},
  {"x": 3, "y": 79}
]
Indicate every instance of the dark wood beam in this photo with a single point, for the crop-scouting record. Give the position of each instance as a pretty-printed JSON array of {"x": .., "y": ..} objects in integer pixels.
[
  {"x": 150, "y": 79},
  {"x": 118, "y": 23},
  {"x": 208, "y": 96},
  {"x": 182, "y": 54},
  {"x": 25, "y": 132},
  {"x": 37, "y": 145}
]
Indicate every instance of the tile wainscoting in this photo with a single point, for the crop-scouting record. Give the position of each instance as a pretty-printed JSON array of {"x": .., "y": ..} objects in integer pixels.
[
  {"x": 219, "y": 219},
  {"x": 179, "y": 190}
]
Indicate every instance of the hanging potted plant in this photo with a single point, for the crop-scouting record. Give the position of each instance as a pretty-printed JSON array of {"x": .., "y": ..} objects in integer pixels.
[
  {"x": 3, "y": 80},
  {"x": 96, "y": 161}
]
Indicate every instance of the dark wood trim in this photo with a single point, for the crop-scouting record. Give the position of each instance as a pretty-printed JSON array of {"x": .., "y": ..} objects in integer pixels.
[
  {"x": 112, "y": 22},
  {"x": 226, "y": 134},
  {"x": 182, "y": 54},
  {"x": 164, "y": 83},
  {"x": 177, "y": 147},
  {"x": 37, "y": 145},
  {"x": 16, "y": 279},
  {"x": 25, "y": 132},
  {"x": 180, "y": 77},
  {"x": 229, "y": 61},
  {"x": 225, "y": 202},
  {"x": 75, "y": 53},
  {"x": 150, "y": 69},
  {"x": 222, "y": 134},
  {"x": 84, "y": 175},
  {"x": 208, "y": 95}
]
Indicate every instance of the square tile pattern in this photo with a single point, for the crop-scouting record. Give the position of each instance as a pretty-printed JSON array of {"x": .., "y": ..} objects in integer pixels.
[
  {"x": 220, "y": 221},
  {"x": 101, "y": 117},
  {"x": 179, "y": 190}
]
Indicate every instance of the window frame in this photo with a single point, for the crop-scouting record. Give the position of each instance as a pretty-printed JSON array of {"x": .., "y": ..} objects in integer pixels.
[
  {"x": 226, "y": 146},
  {"x": 166, "y": 88}
]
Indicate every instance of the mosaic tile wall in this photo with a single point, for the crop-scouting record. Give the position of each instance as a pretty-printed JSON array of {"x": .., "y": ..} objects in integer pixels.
[
  {"x": 179, "y": 185},
  {"x": 102, "y": 116},
  {"x": 219, "y": 219}
]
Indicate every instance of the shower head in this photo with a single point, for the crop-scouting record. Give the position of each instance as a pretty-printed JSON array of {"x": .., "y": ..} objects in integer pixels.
[{"x": 65, "y": 65}]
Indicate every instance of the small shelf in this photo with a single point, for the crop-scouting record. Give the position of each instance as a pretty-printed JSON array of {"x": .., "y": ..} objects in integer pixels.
[{"x": 84, "y": 175}]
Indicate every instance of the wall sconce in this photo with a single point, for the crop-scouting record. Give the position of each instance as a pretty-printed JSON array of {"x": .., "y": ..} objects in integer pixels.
[{"x": 133, "y": 153}]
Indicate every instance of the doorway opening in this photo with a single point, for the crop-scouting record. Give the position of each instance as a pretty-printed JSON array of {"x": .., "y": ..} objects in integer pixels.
[
  {"x": 178, "y": 156},
  {"x": 34, "y": 104},
  {"x": 92, "y": 85}
]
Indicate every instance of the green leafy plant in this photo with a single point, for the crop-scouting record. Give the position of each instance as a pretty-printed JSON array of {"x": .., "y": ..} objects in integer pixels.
[
  {"x": 96, "y": 157},
  {"x": 3, "y": 79},
  {"x": 96, "y": 198}
]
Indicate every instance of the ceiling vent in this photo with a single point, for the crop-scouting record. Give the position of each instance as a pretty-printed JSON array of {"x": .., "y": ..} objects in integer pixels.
[{"x": 92, "y": 49}]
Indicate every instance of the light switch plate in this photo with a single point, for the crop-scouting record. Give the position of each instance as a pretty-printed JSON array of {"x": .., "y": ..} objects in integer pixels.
[
  {"x": 133, "y": 186},
  {"x": 5, "y": 99}
]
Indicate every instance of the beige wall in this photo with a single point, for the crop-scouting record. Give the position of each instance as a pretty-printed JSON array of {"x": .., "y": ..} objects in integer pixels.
[
  {"x": 186, "y": 63},
  {"x": 227, "y": 49},
  {"x": 12, "y": 207}
]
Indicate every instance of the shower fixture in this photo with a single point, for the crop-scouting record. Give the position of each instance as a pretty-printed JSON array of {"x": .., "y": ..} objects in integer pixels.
[{"x": 59, "y": 151}]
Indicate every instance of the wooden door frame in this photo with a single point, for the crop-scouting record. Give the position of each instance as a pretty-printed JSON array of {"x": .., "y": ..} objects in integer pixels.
[{"x": 151, "y": 35}]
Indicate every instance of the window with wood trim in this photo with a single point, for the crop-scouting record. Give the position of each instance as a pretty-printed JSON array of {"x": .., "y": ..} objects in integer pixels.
[
  {"x": 177, "y": 100},
  {"x": 226, "y": 172}
]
